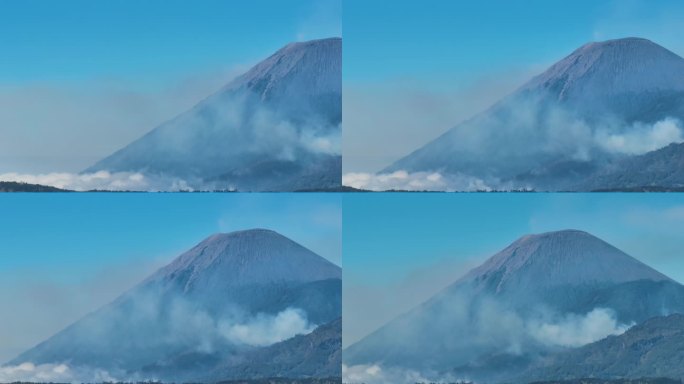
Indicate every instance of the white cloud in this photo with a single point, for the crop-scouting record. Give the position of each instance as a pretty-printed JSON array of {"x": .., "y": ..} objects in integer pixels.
[
  {"x": 60, "y": 373},
  {"x": 642, "y": 138},
  {"x": 377, "y": 374},
  {"x": 576, "y": 330},
  {"x": 265, "y": 330},
  {"x": 102, "y": 180},
  {"x": 417, "y": 181}
]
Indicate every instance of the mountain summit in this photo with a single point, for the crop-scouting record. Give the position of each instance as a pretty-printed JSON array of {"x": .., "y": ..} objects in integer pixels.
[
  {"x": 256, "y": 256},
  {"x": 275, "y": 128},
  {"x": 559, "y": 258},
  {"x": 614, "y": 67},
  {"x": 591, "y": 114}
]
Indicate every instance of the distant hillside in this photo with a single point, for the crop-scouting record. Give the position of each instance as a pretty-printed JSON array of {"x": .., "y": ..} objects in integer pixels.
[{"x": 11, "y": 186}]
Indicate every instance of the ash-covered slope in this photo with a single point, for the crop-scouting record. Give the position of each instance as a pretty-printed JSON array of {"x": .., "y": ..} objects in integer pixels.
[
  {"x": 580, "y": 115},
  {"x": 652, "y": 349},
  {"x": 232, "y": 294},
  {"x": 493, "y": 322},
  {"x": 553, "y": 259},
  {"x": 277, "y": 127}
]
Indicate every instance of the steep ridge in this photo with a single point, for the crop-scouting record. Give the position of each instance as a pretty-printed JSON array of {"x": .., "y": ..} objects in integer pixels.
[
  {"x": 277, "y": 127},
  {"x": 231, "y": 295}
]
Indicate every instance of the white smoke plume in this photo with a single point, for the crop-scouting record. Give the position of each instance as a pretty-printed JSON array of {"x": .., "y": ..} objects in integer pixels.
[
  {"x": 642, "y": 138},
  {"x": 575, "y": 330},
  {"x": 263, "y": 330}
]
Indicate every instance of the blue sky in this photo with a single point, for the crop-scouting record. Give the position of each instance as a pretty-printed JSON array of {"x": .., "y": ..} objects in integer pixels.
[
  {"x": 64, "y": 255},
  {"x": 435, "y": 63},
  {"x": 149, "y": 39},
  {"x": 79, "y": 79},
  {"x": 428, "y": 39},
  {"x": 400, "y": 249}
]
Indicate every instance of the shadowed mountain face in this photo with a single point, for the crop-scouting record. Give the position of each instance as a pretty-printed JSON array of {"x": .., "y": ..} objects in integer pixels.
[
  {"x": 230, "y": 301},
  {"x": 591, "y": 114},
  {"x": 277, "y": 127},
  {"x": 541, "y": 295}
]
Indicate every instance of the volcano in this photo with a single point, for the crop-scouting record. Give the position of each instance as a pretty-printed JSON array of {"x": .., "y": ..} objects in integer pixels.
[
  {"x": 599, "y": 111},
  {"x": 221, "y": 310},
  {"x": 536, "y": 297},
  {"x": 275, "y": 128}
]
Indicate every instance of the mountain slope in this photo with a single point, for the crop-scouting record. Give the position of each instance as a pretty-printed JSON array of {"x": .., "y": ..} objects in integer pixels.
[
  {"x": 663, "y": 167},
  {"x": 492, "y": 322},
  {"x": 556, "y": 259},
  {"x": 651, "y": 349},
  {"x": 231, "y": 295},
  {"x": 579, "y": 114},
  {"x": 277, "y": 127}
]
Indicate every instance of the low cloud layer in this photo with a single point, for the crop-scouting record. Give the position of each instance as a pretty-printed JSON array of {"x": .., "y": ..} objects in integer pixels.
[
  {"x": 416, "y": 181},
  {"x": 377, "y": 374},
  {"x": 52, "y": 373},
  {"x": 92, "y": 118},
  {"x": 102, "y": 180}
]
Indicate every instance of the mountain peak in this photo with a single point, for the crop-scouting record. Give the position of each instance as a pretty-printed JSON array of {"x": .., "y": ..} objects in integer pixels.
[
  {"x": 614, "y": 67},
  {"x": 313, "y": 67},
  {"x": 254, "y": 256},
  {"x": 619, "y": 43},
  {"x": 559, "y": 258}
]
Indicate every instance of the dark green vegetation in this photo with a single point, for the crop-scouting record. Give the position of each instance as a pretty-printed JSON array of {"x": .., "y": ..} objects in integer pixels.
[{"x": 11, "y": 186}]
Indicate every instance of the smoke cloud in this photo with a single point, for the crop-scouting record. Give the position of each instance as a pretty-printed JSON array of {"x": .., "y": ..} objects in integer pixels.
[
  {"x": 417, "y": 181},
  {"x": 490, "y": 151},
  {"x": 642, "y": 138},
  {"x": 576, "y": 330},
  {"x": 263, "y": 330},
  {"x": 460, "y": 328}
]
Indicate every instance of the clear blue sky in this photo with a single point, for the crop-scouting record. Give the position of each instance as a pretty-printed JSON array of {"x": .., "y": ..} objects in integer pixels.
[
  {"x": 437, "y": 37},
  {"x": 400, "y": 249},
  {"x": 67, "y": 39}
]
